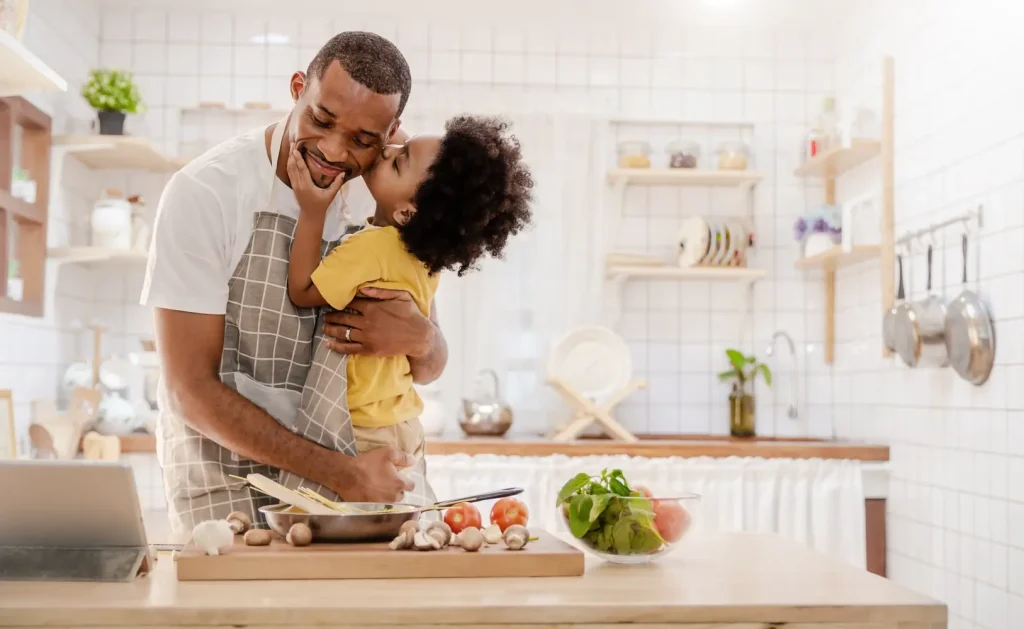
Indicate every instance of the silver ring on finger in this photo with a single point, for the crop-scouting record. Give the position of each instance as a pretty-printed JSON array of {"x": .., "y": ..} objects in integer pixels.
[{"x": 348, "y": 335}]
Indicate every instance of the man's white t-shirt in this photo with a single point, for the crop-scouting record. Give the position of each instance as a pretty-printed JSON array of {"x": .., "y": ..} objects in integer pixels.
[{"x": 205, "y": 219}]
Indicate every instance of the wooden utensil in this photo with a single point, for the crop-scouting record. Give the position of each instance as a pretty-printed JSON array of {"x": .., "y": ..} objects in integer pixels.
[{"x": 547, "y": 556}]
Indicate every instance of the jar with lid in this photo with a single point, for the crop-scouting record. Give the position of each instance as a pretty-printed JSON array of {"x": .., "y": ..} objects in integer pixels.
[
  {"x": 683, "y": 154},
  {"x": 634, "y": 154},
  {"x": 733, "y": 156},
  {"x": 112, "y": 221}
]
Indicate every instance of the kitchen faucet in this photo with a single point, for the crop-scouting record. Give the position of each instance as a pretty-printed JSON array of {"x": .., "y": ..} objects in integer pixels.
[{"x": 792, "y": 412}]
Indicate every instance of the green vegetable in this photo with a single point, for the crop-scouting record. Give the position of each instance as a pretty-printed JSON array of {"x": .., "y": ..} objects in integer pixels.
[{"x": 609, "y": 515}]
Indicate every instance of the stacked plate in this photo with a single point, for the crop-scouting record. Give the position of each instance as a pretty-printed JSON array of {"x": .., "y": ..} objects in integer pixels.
[{"x": 713, "y": 242}]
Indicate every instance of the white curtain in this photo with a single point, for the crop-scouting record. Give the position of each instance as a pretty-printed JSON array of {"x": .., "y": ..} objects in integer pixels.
[
  {"x": 506, "y": 315},
  {"x": 819, "y": 503}
]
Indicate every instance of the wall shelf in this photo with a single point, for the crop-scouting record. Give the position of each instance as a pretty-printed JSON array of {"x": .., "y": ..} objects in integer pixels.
[
  {"x": 97, "y": 255},
  {"x": 117, "y": 152},
  {"x": 696, "y": 273},
  {"x": 836, "y": 258},
  {"x": 745, "y": 179},
  {"x": 620, "y": 273},
  {"x": 23, "y": 71},
  {"x": 837, "y": 161}
]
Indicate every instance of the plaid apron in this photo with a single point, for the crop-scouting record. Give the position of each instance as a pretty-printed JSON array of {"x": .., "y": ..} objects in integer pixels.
[{"x": 274, "y": 355}]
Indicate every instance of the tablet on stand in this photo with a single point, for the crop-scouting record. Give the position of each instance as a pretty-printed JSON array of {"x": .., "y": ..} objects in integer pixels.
[{"x": 70, "y": 521}]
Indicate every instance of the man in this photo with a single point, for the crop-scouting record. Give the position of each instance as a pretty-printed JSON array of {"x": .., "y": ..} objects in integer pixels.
[{"x": 234, "y": 351}]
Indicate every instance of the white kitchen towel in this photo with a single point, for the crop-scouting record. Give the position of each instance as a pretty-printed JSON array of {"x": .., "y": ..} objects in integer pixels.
[{"x": 817, "y": 502}]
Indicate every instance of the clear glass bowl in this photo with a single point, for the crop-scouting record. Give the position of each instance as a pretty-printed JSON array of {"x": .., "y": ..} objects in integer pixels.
[
  {"x": 634, "y": 154},
  {"x": 633, "y": 542},
  {"x": 733, "y": 156},
  {"x": 683, "y": 154}
]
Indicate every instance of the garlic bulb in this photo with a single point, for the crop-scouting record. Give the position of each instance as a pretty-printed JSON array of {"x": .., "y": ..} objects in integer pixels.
[{"x": 212, "y": 536}]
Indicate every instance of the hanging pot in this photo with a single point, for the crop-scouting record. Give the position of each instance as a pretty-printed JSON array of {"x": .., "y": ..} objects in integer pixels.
[
  {"x": 894, "y": 313},
  {"x": 111, "y": 122},
  {"x": 970, "y": 334},
  {"x": 920, "y": 337},
  {"x": 487, "y": 415}
]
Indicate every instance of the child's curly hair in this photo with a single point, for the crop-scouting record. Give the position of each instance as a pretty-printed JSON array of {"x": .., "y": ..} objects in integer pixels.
[{"x": 476, "y": 195}]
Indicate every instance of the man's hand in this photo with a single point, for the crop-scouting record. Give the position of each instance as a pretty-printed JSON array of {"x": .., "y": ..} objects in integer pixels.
[
  {"x": 373, "y": 477},
  {"x": 311, "y": 197},
  {"x": 383, "y": 323}
]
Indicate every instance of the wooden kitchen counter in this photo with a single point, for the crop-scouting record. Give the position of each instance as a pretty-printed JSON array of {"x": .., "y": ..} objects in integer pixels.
[
  {"x": 659, "y": 446},
  {"x": 717, "y": 581}
]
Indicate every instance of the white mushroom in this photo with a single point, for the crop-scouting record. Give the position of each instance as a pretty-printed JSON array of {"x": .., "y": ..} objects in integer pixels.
[
  {"x": 516, "y": 537},
  {"x": 439, "y": 531},
  {"x": 403, "y": 541},
  {"x": 492, "y": 534},
  {"x": 299, "y": 534},
  {"x": 470, "y": 539},
  {"x": 409, "y": 525},
  {"x": 240, "y": 522},
  {"x": 422, "y": 541},
  {"x": 213, "y": 536},
  {"x": 258, "y": 537}
]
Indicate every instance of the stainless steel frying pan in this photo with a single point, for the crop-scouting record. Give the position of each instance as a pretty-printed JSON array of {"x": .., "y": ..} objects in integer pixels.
[
  {"x": 371, "y": 521},
  {"x": 920, "y": 331},
  {"x": 970, "y": 334},
  {"x": 894, "y": 313}
]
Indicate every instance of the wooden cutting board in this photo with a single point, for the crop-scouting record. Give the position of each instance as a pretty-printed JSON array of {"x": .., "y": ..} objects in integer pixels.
[{"x": 547, "y": 556}]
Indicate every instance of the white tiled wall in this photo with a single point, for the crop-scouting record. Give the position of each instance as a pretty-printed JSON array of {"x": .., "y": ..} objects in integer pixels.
[
  {"x": 956, "y": 507},
  {"x": 696, "y": 67},
  {"x": 33, "y": 352}
]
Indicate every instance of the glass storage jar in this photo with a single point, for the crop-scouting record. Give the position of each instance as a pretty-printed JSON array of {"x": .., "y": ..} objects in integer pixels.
[
  {"x": 733, "y": 156},
  {"x": 634, "y": 154},
  {"x": 683, "y": 154}
]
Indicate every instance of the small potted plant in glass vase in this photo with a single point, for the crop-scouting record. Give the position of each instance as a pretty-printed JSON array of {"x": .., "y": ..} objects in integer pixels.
[
  {"x": 112, "y": 93},
  {"x": 741, "y": 400}
]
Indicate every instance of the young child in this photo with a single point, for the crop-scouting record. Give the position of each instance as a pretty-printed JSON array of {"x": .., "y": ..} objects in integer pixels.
[{"x": 443, "y": 202}]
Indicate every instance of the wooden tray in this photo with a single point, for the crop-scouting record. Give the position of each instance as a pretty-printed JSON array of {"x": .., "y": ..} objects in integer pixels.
[{"x": 547, "y": 556}]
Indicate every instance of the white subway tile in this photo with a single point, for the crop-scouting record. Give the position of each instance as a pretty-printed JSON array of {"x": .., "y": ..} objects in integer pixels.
[
  {"x": 215, "y": 60},
  {"x": 182, "y": 59},
  {"x": 249, "y": 60},
  {"x": 183, "y": 28},
  {"x": 116, "y": 25},
  {"x": 150, "y": 26},
  {"x": 116, "y": 55},
  {"x": 541, "y": 69},
  {"x": 216, "y": 28}
]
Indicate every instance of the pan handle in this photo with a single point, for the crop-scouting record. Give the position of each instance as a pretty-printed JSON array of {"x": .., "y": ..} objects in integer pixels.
[
  {"x": 491, "y": 495},
  {"x": 963, "y": 248}
]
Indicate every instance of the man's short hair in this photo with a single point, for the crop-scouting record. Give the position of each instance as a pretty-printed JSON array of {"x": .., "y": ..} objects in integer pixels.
[{"x": 370, "y": 60}]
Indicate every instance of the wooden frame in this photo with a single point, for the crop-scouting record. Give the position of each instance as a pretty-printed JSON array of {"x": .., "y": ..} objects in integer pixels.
[
  {"x": 7, "y": 426},
  {"x": 28, "y": 218}
]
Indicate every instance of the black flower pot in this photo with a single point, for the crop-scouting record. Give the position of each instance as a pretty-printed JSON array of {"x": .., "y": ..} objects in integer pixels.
[{"x": 111, "y": 122}]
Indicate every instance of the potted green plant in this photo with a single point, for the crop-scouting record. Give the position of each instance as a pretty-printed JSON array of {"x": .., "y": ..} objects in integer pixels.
[
  {"x": 741, "y": 400},
  {"x": 112, "y": 93}
]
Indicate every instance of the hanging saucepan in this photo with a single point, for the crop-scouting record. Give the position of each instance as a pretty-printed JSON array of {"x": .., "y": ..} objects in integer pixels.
[
  {"x": 969, "y": 332},
  {"x": 889, "y": 321},
  {"x": 920, "y": 332}
]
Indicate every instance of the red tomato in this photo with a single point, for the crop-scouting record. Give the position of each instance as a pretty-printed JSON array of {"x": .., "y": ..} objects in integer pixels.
[
  {"x": 671, "y": 520},
  {"x": 509, "y": 511},
  {"x": 462, "y": 515},
  {"x": 643, "y": 491}
]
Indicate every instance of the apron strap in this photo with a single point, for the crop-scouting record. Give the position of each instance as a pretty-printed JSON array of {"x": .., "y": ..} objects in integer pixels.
[{"x": 275, "y": 151}]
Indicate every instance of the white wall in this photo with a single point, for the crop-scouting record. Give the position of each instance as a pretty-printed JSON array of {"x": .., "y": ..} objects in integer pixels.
[
  {"x": 698, "y": 65},
  {"x": 33, "y": 352},
  {"x": 956, "y": 507}
]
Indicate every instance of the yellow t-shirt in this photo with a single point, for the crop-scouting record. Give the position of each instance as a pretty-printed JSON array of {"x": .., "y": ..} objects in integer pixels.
[{"x": 380, "y": 391}]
